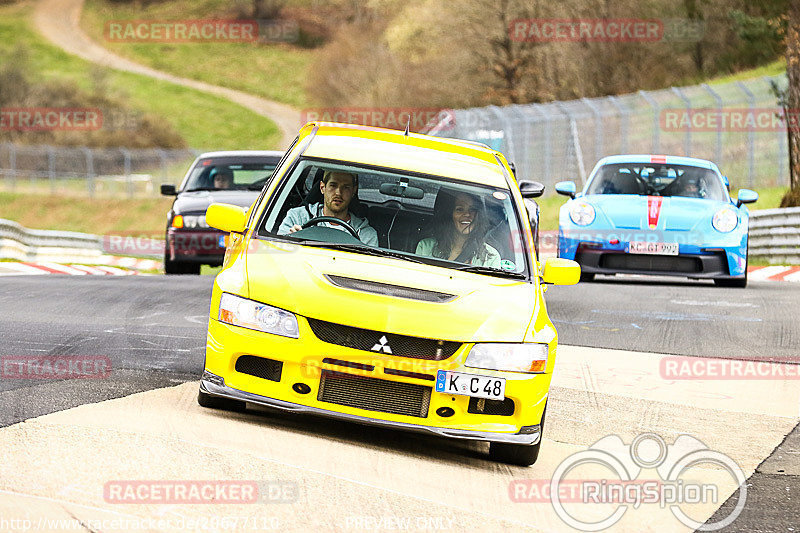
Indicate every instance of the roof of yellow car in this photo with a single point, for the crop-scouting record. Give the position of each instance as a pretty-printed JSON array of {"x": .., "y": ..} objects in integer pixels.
[{"x": 380, "y": 147}]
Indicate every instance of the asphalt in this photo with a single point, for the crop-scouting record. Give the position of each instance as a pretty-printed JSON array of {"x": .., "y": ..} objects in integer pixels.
[
  {"x": 152, "y": 330},
  {"x": 678, "y": 316}
]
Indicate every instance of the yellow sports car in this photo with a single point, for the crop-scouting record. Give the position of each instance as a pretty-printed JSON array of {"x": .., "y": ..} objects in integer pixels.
[{"x": 387, "y": 278}]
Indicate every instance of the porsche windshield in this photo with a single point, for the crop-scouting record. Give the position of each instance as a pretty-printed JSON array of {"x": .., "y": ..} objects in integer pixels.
[
  {"x": 658, "y": 180},
  {"x": 379, "y": 212}
]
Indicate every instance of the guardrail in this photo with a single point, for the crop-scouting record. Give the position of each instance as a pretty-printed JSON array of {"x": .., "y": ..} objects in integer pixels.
[
  {"x": 23, "y": 244},
  {"x": 775, "y": 235}
]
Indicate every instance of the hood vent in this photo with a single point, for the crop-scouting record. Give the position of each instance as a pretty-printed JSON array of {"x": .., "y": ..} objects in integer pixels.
[{"x": 385, "y": 289}]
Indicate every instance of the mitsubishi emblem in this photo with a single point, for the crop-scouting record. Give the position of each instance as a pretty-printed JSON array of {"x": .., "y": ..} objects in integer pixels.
[{"x": 382, "y": 346}]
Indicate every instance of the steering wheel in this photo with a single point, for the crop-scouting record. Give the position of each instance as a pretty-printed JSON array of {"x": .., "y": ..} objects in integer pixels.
[{"x": 333, "y": 220}]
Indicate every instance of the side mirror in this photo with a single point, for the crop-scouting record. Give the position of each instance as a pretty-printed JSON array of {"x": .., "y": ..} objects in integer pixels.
[
  {"x": 531, "y": 189},
  {"x": 567, "y": 188},
  {"x": 167, "y": 189},
  {"x": 226, "y": 217},
  {"x": 746, "y": 196},
  {"x": 558, "y": 271}
]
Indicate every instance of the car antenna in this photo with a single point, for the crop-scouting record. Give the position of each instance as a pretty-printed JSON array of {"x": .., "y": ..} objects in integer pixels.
[{"x": 408, "y": 125}]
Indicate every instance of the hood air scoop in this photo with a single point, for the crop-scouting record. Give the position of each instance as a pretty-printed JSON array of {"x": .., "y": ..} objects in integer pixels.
[{"x": 385, "y": 289}]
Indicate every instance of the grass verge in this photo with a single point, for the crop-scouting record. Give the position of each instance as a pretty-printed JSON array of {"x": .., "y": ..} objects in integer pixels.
[
  {"x": 141, "y": 217},
  {"x": 275, "y": 71},
  {"x": 204, "y": 121}
]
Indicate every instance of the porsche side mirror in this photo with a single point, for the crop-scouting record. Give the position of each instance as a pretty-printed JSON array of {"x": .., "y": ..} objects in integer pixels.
[{"x": 567, "y": 188}]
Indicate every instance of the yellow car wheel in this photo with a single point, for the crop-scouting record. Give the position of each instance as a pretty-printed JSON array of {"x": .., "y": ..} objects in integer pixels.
[{"x": 517, "y": 454}]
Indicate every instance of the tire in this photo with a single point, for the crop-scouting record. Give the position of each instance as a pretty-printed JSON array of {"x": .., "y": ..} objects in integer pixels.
[
  {"x": 518, "y": 454},
  {"x": 514, "y": 454},
  {"x": 178, "y": 267},
  {"x": 739, "y": 283},
  {"x": 586, "y": 276},
  {"x": 215, "y": 402}
]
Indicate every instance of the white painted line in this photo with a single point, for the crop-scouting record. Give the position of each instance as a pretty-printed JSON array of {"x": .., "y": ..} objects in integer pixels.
[
  {"x": 763, "y": 274},
  {"x": 643, "y": 376}
]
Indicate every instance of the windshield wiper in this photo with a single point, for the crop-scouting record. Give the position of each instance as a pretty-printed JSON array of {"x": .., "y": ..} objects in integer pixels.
[
  {"x": 362, "y": 248},
  {"x": 201, "y": 189},
  {"x": 490, "y": 271}
]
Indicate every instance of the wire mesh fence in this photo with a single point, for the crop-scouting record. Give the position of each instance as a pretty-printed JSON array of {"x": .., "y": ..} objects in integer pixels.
[
  {"x": 738, "y": 125},
  {"x": 90, "y": 171}
]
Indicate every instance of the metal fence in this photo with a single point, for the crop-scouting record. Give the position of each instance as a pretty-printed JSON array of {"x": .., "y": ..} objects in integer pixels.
[
  {"x": 90, "y": 171},
  {"x": 775, "y": 235},
  {"x": 563, "y": 140}
]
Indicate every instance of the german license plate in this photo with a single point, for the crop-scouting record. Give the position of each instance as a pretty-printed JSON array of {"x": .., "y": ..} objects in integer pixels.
[
  {"x": 656, "y": 248},
  {"x": 470, "y": 385}
]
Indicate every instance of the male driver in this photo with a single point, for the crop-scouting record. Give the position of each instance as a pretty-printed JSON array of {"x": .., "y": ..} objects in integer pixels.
[{"x": 338, "y": 189}]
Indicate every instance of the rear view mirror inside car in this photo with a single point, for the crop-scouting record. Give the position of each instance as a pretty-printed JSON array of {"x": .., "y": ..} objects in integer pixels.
[{"x": 402, "y": 190}]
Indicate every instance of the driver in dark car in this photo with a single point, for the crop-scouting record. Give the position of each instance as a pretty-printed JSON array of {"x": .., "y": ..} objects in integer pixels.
[{"x": 338, "y": 189}]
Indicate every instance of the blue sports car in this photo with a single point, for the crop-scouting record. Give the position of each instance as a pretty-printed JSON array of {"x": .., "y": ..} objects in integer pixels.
[{"x": 660, "y": 215}]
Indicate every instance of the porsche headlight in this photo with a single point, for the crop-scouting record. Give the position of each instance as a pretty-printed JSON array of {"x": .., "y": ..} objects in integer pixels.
[
  {"x": 725, "y": 220},
  {"x": 246, "y": 313},
  {"x": 582, "y": 213},
  {"x": 527, "y": 357}
]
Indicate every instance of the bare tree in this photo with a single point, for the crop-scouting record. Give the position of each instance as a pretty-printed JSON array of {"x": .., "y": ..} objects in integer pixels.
[
  {"x": 792, "y": 198},
  {"x": 267, "y": 9}
]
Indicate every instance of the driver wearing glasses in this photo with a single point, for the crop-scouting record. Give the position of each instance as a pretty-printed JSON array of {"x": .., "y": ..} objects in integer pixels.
[{"x": 338, "y": 189}]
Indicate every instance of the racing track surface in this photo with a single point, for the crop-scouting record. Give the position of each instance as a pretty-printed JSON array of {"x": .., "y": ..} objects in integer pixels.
[{"x": 153, "y": 331}]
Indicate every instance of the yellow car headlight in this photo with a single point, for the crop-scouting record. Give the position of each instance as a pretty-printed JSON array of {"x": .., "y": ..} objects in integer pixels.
[
  {"x": 245, "y": 313},
  {"x": 528, "y": 357}
]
